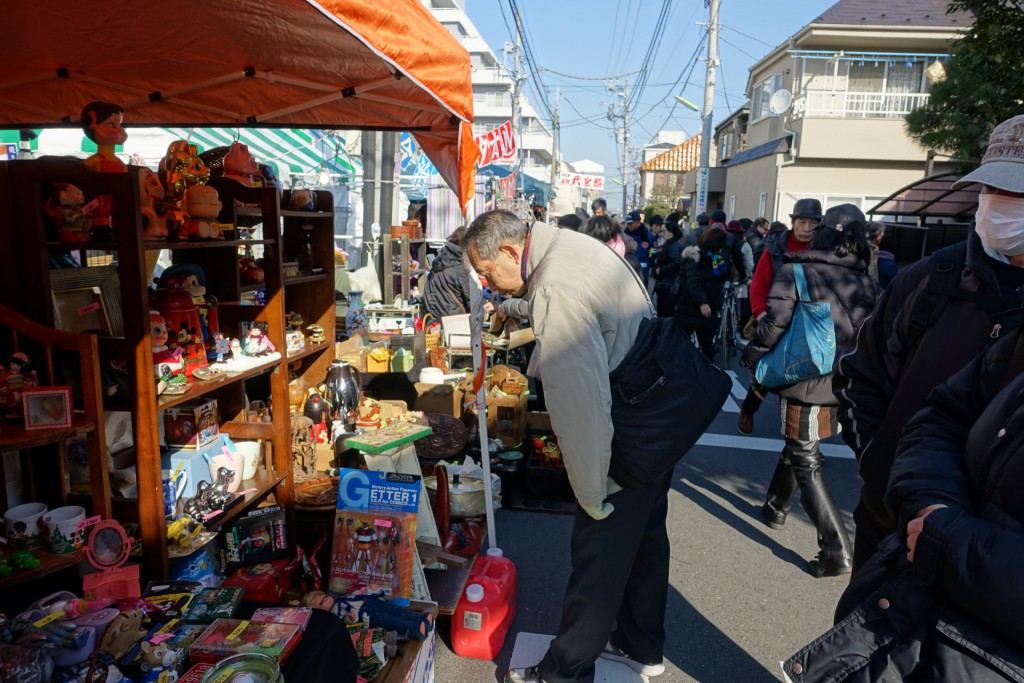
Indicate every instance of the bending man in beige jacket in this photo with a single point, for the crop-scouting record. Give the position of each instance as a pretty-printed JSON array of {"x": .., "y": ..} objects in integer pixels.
[{"x": 586, "y": 305}]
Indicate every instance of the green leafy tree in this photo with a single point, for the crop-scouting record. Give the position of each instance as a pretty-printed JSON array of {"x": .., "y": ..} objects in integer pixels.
[{"x": 984, "y": 83}]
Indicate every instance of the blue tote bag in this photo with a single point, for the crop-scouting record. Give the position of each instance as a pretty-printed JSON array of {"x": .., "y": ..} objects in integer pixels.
[{"x": 807, "y": 348}]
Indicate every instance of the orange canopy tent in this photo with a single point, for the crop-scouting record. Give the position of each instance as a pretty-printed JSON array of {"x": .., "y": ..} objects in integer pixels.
[{"x": 250, "y": 63}]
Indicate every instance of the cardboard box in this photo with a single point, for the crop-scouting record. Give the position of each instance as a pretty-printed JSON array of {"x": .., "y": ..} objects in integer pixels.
[
  {"x": 413, "y": 343},
  {"x": 255, "y": 538},
  {"x": 192, "y": 462},
  {"x": 438, "y": 398},
  {"x": 356, "y": 357},
  {"x": 192, "y": 424},
  {"x": 506, "y": 418},
  {"x": 379, "y": 359}
]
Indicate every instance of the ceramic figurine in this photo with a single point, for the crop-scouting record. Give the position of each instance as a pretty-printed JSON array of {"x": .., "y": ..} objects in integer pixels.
[
  {"x": 192, "y": 278},
  {"x": 19, "y": 374},
  {"x": 234, "y": 161},
  {"x": 168, "y": 364},
  {"x": 101, "y": 123},
  {"x": 64, "y": 205},
  {"x": 294, "y": 321},
  {"x": 202, "y": 206},
  {"x": 180, "y": 169},
  {"x": 257, "y": 343},
  {"x": 154, "y": 212},
  {"x": 303, "y": 200}
]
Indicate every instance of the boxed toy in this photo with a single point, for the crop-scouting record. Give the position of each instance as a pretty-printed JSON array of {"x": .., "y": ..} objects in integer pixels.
[
  {"x": 262, "y": 582},
  {"x": 374, "y": 532},
  {"x": 215, "y": 603},
  {"x": 299, "y": 616},
  {"x": 199, "y": 563},
  {"x": 227, "y": 637},
  {"x": 258, "y": 536},
  {"x": 195, "y": 674},
  {"x": 175, "y": 634},
  {"x": 165, "y": 601},
  {"x": 192, "y": 424}
]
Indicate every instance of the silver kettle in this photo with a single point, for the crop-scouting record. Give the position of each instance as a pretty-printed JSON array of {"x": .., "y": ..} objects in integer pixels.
[{"x": 341, "y": 391}]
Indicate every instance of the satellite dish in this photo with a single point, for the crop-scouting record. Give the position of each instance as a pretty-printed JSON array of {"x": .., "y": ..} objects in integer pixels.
[{"x": 780, "y": 102}]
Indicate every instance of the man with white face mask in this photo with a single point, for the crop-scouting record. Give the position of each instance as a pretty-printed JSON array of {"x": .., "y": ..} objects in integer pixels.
[{"x": 934, "y": 318}]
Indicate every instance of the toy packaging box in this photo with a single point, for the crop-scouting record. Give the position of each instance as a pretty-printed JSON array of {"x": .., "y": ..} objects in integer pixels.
[
  {"x": 227, "y": 637},
  {"x": 257, "y": 537},
  {"x": 175, "y": 634},
  {"x": 262, "y": 582},
  {"x": 215, "y": 603},
  {"x": 192, "y": 424},
  {"x": 374, "y": 533},
  {"x": 195, "y": 674},
  {"x": 299, "y": 616},
  {"x": 165, "y": 601}
]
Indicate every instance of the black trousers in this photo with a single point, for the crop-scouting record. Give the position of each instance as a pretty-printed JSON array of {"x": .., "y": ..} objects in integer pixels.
[
  {"x": 800, "y": 467},
  {"x": 619, "y": 579},
  {"x": 870, "y": 532},
  {"x": 664, "y": 301}
]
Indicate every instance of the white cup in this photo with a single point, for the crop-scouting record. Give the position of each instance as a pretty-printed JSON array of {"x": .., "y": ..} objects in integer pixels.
[
  {"x": 231, "y": 460},
  {"x": 22, "y": 525},
  {"x": 62, "y": 524},
  {"x": 250, "y": 451},
  {"x": 431, "y": 376}
]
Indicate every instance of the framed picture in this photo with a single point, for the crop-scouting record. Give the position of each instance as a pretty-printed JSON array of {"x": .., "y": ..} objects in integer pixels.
[
  {"x": 47, "y": 407},
  {"x": 87, "y": 300}
]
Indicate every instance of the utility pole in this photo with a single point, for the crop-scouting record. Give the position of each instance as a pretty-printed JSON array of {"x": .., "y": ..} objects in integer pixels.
[
  {"x": 517, "y": 112},
  {"x": 554, "y": 148},
  {"x": 625, "y": 145},
  {"x": 709, "y": 105}
]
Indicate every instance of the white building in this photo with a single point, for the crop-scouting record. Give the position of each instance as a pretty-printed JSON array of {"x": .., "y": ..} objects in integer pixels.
[{"x": 493, "y": 88}]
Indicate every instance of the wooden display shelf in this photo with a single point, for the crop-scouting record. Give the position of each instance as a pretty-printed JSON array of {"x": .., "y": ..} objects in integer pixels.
[
  {"x": 290, "y": 213},
  {"x": 199, "y": 387},
  {"x": 48, "y": 564},
  {"x": 98, "y": 245},
  {"x": 15, "y": 436},
  {"x": 309, "y": 350},
  {"x": 300, "y": 279},
  {"x": 263, "y": 483},
  {"x": 202, "y": 244},
  {"x": 253, "y": 288}
]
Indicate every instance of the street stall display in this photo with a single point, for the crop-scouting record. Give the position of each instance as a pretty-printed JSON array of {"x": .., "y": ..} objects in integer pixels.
[{"x": 203, "y": 359}]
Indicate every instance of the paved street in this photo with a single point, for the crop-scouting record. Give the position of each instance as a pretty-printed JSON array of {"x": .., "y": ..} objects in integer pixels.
[{"x": 740, "y": 598}]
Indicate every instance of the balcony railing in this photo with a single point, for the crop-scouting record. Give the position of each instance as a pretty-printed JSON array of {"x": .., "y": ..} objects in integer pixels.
[{"x": 858, "y": 105}]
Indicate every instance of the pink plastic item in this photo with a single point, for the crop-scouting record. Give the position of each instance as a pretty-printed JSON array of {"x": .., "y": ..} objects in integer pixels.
[{"x": 486, "y": 609}]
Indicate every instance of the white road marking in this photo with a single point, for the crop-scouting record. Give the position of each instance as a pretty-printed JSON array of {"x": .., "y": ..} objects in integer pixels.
[
  {"x": 738, "y": 390},
  {"x": 730, "y": 406},
  {"x": 756, "y": 443}
]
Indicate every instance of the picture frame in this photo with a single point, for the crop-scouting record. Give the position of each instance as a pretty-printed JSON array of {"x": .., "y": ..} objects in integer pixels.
[
  {"x": 47, "y": 407},
  {"x": 87, "y": 300}
]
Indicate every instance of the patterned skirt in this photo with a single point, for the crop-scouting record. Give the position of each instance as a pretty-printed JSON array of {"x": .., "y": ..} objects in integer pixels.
[{"x": 806, "y": 422}]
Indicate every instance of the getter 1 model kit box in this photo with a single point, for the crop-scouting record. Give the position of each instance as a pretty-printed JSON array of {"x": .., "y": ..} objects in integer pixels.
[{"x": 374, "y": 532}]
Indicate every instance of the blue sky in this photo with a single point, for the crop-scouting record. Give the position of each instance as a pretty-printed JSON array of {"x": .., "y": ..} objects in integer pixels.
[{"x": 596, "y": 38}]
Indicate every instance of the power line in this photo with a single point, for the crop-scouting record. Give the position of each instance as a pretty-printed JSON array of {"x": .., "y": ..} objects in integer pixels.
[
  {"x": 652, "y": 47},
  {"x": 746, "y": 35},
  {"x": 592, "y": 78},
  {"x": 738, "y": 48},
  {"x": 618, "y": 6}
]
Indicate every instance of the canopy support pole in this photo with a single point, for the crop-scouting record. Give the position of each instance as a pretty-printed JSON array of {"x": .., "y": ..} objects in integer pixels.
[{"x": 476, "y": 319}]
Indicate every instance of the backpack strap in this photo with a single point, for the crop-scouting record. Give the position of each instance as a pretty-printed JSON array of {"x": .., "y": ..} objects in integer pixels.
[
  {"x": 942, "y": 282},
  {"x": 801, "y": 282}
]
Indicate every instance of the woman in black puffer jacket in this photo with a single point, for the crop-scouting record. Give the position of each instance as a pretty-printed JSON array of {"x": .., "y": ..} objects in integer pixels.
[
  {"x": 667, "y": 263},
  {"x": 836, "y": 271},
  {"x": 702, "y": 289}
]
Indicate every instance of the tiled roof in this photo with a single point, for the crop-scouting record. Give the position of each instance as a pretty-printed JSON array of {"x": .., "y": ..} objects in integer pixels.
[
  {"x": 771, "y": 147},
  {"x": 888, "y": 13},
  {"x": 683, "y": 157}
]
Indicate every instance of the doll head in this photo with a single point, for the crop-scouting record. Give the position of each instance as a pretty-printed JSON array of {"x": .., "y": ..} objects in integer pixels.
[
  {"x": 101, "y": 122},
  {"x": 239, "y": 161},
  {"x": 150, "y": 185},
  {"x": 202, "y": 201},
  {"x": 67, "y": 194},
  {"x": 318, "y": 600},
  {"x": 157, "y": 330}
]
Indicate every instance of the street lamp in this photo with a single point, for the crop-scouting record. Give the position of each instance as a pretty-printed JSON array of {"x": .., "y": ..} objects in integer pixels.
[{"x": 687, "y": 103}]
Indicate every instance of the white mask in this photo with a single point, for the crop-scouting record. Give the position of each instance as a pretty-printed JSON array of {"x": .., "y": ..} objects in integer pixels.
[{"x": 999, "y": 223}]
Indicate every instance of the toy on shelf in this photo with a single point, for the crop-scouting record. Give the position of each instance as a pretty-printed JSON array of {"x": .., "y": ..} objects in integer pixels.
[
  {"x": 257, "y": 343},
  {"x": 180, "y": 169},
  {"x": 168, "y": 365},
  {"x": 102, "y": 123},
  {"x": 183, "y": 530},
  {"x": 302, "y": 200},
  {"x": 177, "y": 306},
  {"x": 154, "y": 212},
  {"x": 192, "y": 278},
  {"x": 249, "y": 272},
  {"x": 269, "y": 177},
  {"x": 19, "y": 375},
  {"x": 235, "y": 162},
  {"x": 72, "y": 220},
  {"x": 316, "y": 334},
  {"x": 202, "y": 205},
  {"x": 107, "y": 550}
]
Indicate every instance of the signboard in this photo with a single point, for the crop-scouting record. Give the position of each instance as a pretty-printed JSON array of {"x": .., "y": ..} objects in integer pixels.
[
  {"x": 702, "y": 190},
  {"x": 497, "y": 146},
  {"x": 9, "y": 151},
  {"x": 584, "y": 180}
]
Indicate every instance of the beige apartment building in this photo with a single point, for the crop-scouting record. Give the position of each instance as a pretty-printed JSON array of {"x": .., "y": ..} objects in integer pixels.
[{"x": 827, "y": 107}]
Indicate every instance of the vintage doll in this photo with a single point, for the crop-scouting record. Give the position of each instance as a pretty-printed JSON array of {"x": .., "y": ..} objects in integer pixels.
[
  {"x": 168, "y": 364},
  {"x": 303, "y": 200},
  {"x": 201, "y": 206},
  {"x": 64, "y": 205},
  {"x": 101, "y": 123},
  {"x": 154, "y": 212}
]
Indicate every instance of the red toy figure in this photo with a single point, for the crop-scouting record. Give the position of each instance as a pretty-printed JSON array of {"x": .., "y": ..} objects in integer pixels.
[
  {"x": 64, "y": 206},
  {"x": 101, "y": 122},
  {"x": 235, "y": 162}
]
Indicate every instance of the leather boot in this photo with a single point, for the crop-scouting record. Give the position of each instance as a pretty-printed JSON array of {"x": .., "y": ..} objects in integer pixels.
[
  {"x": 745, "y": 424},
  {"x": 836, "y": 550},
  {"x": 780, "y": 494}
]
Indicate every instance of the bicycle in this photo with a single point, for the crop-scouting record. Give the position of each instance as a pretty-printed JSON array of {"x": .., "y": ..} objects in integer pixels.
[{"x": 727, "y": 337}]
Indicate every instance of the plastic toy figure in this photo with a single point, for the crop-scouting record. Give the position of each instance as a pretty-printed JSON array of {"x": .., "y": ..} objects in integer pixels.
[
  {"x": 191, "y": 278},
  {"x": 255, "y": 542},
  {"x": 154, "y": 212},
  {"x": 234, "y": 161},
  {"x": 257, "y": 343},
  {"x": 19, "y": 374},
  {"x": 122, "y": 633},
  {"x": 101, "y": 122},
  {"x": 167, "y": 363},
  {"x": 179, "y": 170},
  {"x": 64, "y": 206},
  {"x": 202, "y": 206},
  {"x": 365, "y": 539},
  {"x": 249, "y": 271},
  {"x": 303, "y": 200},
  {"x": 269, "y": 177},
  {"x": 156, "y": 660}
]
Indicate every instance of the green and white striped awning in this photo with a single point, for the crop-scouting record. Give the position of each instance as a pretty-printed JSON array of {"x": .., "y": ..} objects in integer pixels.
[{"x": 290, "y": 151}]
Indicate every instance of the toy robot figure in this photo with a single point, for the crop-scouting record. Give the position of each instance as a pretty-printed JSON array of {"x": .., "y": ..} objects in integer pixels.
[{"x": 365, "y": 541}]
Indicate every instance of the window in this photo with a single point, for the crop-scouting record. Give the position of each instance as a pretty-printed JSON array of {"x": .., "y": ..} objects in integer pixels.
[
  {"x": 455, "y": 28},
  {"x": 762, "y": 204},
  {"x": 727, "y": 145},
  {"x": 763, "y": 92}
]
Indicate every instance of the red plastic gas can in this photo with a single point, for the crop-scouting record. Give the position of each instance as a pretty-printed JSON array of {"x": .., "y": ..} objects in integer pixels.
[{"x": 487, "y": 607}]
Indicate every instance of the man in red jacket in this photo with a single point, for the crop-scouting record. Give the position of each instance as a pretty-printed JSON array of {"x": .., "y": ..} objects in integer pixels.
[{"x": 806, "y": 216}]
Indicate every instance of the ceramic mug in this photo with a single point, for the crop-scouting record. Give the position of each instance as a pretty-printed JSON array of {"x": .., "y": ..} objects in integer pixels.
[
  {"x": 23, "y": 527},
  {"x": 62, "y": 526},
  {"x": 173, "y": 488},
  {"x": 230, "y": 459},
  {"x": 250, "y": 452}
]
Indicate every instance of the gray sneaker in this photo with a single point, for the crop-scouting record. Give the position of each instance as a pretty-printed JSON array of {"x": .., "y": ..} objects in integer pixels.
[
  {"x": 530, "y": 674},
  {"x": 614, "y": 654}
]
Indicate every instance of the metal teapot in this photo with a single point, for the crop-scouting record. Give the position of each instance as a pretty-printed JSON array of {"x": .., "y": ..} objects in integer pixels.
[{"x": 340, "y": 389}]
